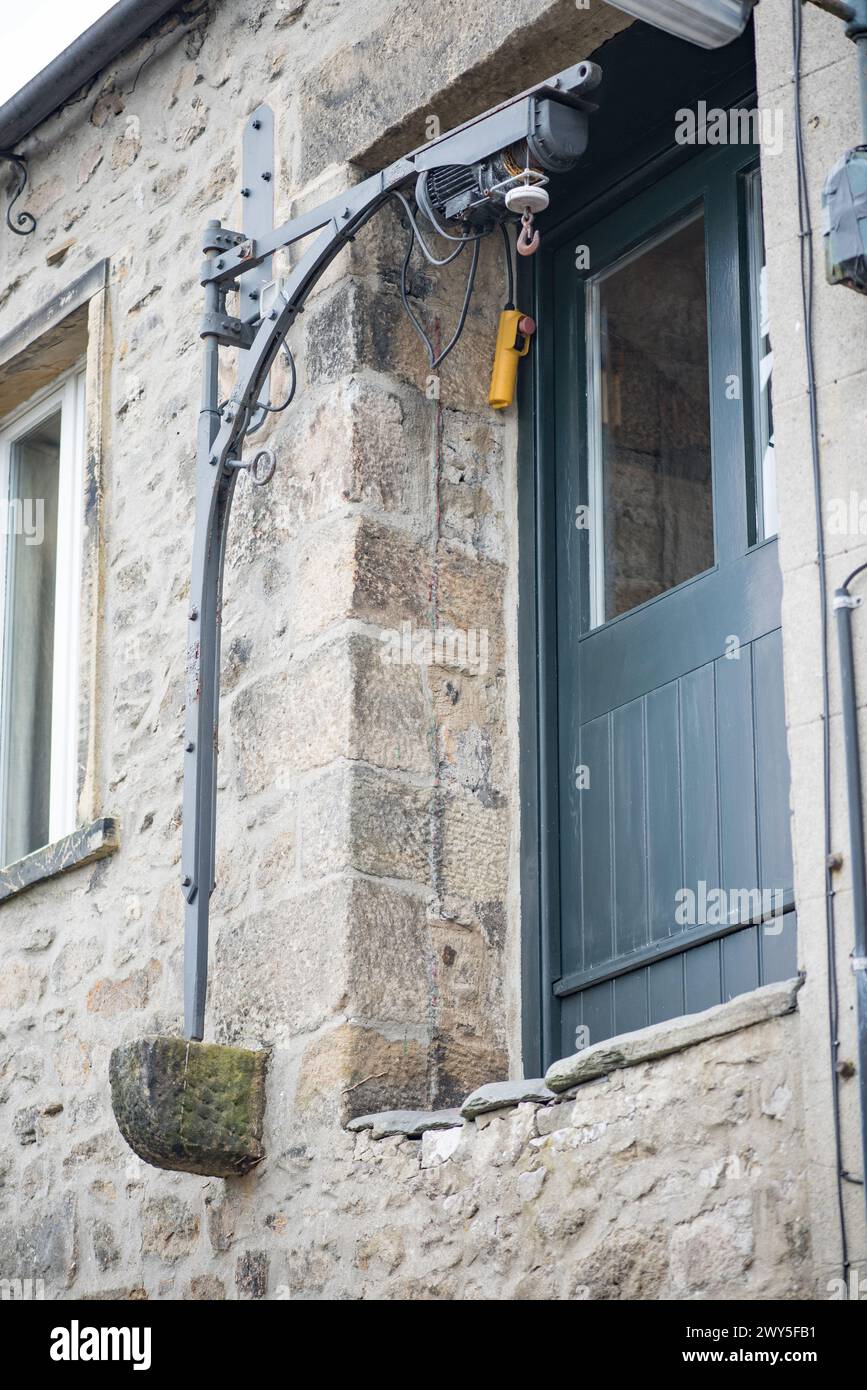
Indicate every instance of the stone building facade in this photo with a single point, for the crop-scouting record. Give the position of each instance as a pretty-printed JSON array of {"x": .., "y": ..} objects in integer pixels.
[{"x": 369, "y": 916}]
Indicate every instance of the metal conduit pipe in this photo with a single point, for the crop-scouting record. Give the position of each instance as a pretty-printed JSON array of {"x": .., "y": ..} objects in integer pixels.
[{"x": 844, "y": 602}]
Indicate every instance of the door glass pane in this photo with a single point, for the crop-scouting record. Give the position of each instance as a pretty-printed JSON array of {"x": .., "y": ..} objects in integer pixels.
[
  {"x": 651, "y": 496},
  {"x": 31, "y": 569},
  {"x": 766, "y": 521}
]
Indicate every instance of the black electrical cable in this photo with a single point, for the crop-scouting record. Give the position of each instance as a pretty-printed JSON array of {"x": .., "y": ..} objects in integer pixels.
[
  {"x": 437, "y": 226},
  {"x": 426, "y": 251},
  {"x": 510, "y": 269},
  {"x": 849, "y": 577},
  {"x": 434, "y": 360},
  {"x": 276, "y": 409},
  {"x": 805, "y": 232}
]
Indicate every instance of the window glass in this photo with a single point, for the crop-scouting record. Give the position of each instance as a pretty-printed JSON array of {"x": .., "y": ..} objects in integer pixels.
[
  {"x": 41, "y": 455},
  {"x": 766, "y": 522},
  {"x": 650, "y": 450},
  {"x": 31, "y": 579}
]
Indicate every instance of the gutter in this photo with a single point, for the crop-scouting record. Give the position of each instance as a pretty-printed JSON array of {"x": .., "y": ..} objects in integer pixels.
[{"x": 70, "y": 70}]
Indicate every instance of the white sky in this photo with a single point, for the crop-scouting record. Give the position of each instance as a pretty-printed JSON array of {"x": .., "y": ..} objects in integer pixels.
[{"x": 32, "y": 32}]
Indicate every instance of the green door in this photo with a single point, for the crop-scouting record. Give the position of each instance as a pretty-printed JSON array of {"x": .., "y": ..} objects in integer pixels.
[{"x": 670, "y": 872}]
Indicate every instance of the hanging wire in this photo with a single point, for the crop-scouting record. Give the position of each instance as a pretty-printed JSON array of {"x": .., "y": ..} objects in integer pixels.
[
  {"x": 426, "y": 251},
  {"x": 415, "y": 234},
  {"x": 510, "y": 269},
  {"x": 432, "y": 357},
  {"x": 265, "y": 408}
]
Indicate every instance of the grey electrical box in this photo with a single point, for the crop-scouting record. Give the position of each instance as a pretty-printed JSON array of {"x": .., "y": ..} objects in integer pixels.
[{"x": 844, "y": 199}]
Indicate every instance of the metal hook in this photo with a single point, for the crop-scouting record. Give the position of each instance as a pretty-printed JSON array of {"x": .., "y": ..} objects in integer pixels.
[
  {"x": 21, "y": 218},
  {"x": 527, "y": 243}
]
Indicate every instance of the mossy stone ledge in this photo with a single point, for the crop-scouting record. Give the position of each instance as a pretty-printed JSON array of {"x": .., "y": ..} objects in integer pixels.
[{"x": 190, "y": 1106}]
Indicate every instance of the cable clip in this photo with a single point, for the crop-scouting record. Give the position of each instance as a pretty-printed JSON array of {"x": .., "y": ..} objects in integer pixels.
[
  {"x": 844, "y": 600},
  {"x": 859, "y": 963}
]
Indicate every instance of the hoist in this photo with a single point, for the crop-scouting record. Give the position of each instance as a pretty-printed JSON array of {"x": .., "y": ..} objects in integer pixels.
[{"x": 467, "y": 185}]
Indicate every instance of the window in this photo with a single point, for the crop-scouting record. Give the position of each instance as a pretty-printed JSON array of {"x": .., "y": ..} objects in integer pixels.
[
  {"x": 649, "y": 427},
  {"x": 41, "y": 491}
]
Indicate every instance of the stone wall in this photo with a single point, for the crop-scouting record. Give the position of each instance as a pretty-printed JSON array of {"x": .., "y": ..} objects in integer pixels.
[
  {"x": 682, "y": 1176},
  {"x": 366, "y": 919}
]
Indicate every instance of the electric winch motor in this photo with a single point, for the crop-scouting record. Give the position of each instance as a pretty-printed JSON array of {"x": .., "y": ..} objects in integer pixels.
[{"x": 481, "y": 193}]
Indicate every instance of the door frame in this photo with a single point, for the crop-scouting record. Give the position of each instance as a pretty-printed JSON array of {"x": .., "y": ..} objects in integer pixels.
[{"x": 611, "y": 187}]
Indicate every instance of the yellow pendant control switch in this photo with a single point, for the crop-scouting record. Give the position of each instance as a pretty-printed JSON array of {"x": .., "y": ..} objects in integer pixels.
[{"x": 513, "y": 342}]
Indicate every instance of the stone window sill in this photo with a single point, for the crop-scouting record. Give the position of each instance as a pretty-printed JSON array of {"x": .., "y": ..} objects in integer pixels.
[
  {"x": 82, "y": 846},
  {"x": 563, "y": 1079}
]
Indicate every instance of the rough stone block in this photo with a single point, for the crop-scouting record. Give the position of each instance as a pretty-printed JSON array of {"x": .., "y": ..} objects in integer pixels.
[
  {"x": 673, "y": 1035},
  {"x": 410, "y": 1123},
  {"x": 497, "y": 1095},
  {"x": 355, "y": 1070},
  {"x": 195, "y": 1107}
]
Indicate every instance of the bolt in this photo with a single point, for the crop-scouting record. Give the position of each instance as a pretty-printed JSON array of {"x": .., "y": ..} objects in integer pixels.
[
  {"x": 186, "y": 881},
  {"x": 220, "y": 264},
  {"x": 245, "y": 192},
  {"x": 266, "y": 176},
  {"x": 257, "y": 125},
  {"x": 273, "y": 314},
  {"x": 194, "y": 612},
  {"x": 189, "y": 746},
  {"x": 212, "y": 461}
]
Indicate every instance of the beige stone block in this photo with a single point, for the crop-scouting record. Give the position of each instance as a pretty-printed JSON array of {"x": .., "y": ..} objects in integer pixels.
[
  {"x": 350, "y": 946},
  {"x": 111, "y": 997},
  {"x": 842, "y": 416},
  {"x": 466, "y": 69},
  {"x": 357, "y": 568},
  {"x": 21, "y": 983},
  {"x": 839, "y": 343},
  {"x": 356, "y": 817},
  {"x": 352, "y": 1070},
  {"x": 475, "y": 855},
  {"x": 829, "y": 106}
]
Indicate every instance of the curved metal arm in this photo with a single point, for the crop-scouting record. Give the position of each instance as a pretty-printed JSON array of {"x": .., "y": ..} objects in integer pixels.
[
  {"x": 25, "y": 220},
  {"x": 220, "y": 442}
]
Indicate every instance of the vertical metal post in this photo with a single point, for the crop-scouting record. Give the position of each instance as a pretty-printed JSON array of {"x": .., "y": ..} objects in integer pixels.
[
  {"x": 843, "y": 605},
  {"x": 214, "y": 488},
  {"x": 202, "y": 674}
]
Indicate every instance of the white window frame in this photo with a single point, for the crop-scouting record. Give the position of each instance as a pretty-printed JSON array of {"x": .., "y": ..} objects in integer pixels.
[{"x": 66, "y": 394}]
